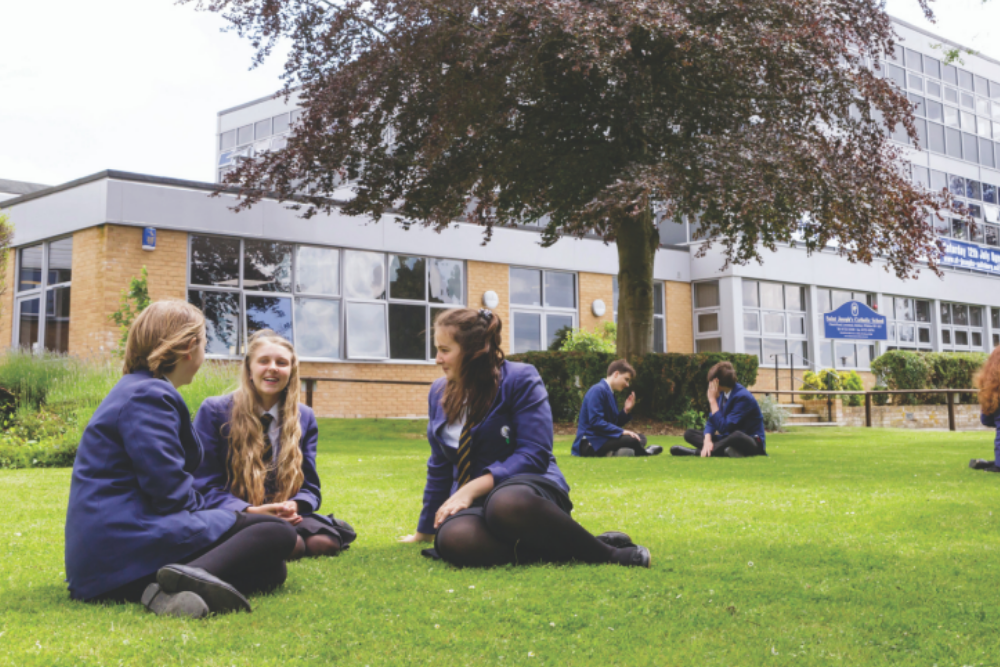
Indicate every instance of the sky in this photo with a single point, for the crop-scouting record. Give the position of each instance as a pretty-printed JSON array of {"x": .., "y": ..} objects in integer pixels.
[{"x": 136, "y": 85}]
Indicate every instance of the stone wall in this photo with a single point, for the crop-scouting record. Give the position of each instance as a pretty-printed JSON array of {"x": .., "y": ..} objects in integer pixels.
[{"x": 898, "y": 416}]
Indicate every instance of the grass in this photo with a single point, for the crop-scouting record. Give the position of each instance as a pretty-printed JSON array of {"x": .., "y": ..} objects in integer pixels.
[{"x": 844, "y": 547}]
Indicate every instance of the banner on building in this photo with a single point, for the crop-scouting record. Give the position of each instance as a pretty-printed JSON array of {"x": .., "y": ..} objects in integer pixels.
[
  {"x": 855, "y": 321},
  {"x": 969, "y": 256}
]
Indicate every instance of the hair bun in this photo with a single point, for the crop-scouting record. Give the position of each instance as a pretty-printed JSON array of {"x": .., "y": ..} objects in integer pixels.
[{"x": 486, "y": 314}]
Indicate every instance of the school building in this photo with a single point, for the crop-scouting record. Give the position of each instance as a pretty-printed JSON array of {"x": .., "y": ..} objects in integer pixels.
[{"x": 357, "y": 296}]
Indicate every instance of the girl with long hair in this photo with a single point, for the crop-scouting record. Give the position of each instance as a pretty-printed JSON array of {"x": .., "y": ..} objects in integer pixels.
[
  {"x": 988, "y": 382},
  {"x": 136, "y": 528},
  {"x": 494, "y": 494},
  {"x": 260, "y": 449}
]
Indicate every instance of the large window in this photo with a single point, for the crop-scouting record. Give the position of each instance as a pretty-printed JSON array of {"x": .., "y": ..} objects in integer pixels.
[
  {"x": 707, "y": 317},
  {"x": 844, "y": 354},
  {"x": 542, "y": 303},
  {"x": 42, "y": 300},
  {"x": 659, "y": 310},
  {"x": 774, "y": 323},
  {"x": 978, "y": 199},
  {"x": 269, "y": 134},
  {"x": 332, "y": 303},
  {"x": 909, "y": 323},
  {"x": 995, "y": 321},
  {"x": 961, "y": 327}
]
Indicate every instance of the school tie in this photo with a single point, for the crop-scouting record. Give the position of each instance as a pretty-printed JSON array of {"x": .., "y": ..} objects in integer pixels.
[
  {"x": 465, "y": 455},
  {"x": 265, "y": 421}
]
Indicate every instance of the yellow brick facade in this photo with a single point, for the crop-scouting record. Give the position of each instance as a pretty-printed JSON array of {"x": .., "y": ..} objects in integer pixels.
[
  {"x": 595, "y": 286},
  {"x": 486, "y": 276},
  {"x": 7, "y": 301},
  {"x": 680, "y": 331}
]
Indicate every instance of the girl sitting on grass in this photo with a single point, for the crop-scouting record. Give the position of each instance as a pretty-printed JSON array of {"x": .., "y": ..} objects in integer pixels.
[
  {"x": 260, "y": 449},
  {"x": 136, "y": 528},
  {"x": 988, "y": 382},
  {"x": 494, "y": 494}
]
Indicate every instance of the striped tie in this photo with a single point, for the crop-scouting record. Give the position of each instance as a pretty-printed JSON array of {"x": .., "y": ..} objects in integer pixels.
[
  {"x": 268, "y": 453},
  {"x": 465, "y": 455}
]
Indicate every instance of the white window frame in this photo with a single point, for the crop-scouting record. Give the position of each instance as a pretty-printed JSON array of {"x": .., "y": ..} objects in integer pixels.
[
  {"x": 41, "y": 292},
  {"x": 544, "y": 310}
]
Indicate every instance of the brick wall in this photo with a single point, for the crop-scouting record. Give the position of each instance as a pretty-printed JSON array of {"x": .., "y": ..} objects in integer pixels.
[
  {"x": 898, "y": 416},
  {"x": 680, "y": 335},
  {"x": 595, "y": 286},
  {"x": 484, "y": 276},
  {"x": 7, "y": 302},
  {"x": 380, "y": 396}
]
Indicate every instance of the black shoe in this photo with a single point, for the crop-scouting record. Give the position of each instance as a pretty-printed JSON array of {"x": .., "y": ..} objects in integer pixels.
[
  {"x": 616, "y": 539},
  {"x": 184, "y": 604},
  {"x": 732, "y": 453},
  {"x": 980, "y": 464},
  {"x": 217, "y": 594},
  {"x": 640, "y": 557},
  {"x": 677, "y": 450},
  {"x": 653, "y": 450}
]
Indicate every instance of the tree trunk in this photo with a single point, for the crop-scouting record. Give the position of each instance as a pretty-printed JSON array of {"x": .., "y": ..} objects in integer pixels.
[{"x": 637, "y": 242}]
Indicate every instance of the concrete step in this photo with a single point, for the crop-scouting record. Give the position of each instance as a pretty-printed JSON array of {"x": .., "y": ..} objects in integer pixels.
[
  {"x": 813, "y": 424},
  {"x": 803, "y": 419},
  {"x": 793, "y": 408}
]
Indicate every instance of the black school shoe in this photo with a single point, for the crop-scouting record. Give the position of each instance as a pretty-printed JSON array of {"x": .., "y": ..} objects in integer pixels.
[
  {"x": 640, "y": 558},
  {"x": 184, "y": 604},
  {"x": 653, "y": 450},
  {"x": 677, "y": 450},
  {"x": 220, "y": 597},
  {"x": 616, "y": 539}
]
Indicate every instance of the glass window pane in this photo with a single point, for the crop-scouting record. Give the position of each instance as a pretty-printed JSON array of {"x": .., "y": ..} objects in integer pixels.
[
  {"x": 750, "y": 297},
  {"x": 865, "y": 355},
  {"x": 27, "y": 330},
  {"x": 907, "y": 333},
  {"x": 708, "y": 322},
  {"x": 796, "y": 325},
  {"x": 708, "y": 345},
  {"x": 267, "y": 266},
  {"x": 659, "y": 337},
  {"x": 945, "y": 313},
  {"x": 526, "y": 289},
  {"x": 961, "y": 337},
  {"x": 317, "y": 328},
  {"x": 262, "y": 129},
  {"x": 751, "y": 322},
  {"x": 408, "y": 330},
  {"x": 846, "y": 355},
  {"x": 280, "y": 123},
  {"x": 794, "y": 298},
  {"x": 772, "y": 296},
  {"x": 560, "y": 289},
  {"x": 774, "y": 348},
  {"x": 774, "y": 323},
  {"x": 245, "y": 134},
  {"x": 222, "y": 320},
  {"x": 269, "y": 312},
  {"x": 995, "y": 317},
  {"x": 553, "y": 325},
  {"x": 798, "y": 352},
  {"x": 838, "y": 298},
  {"x": 30, "y": 269},
  {"x": 960, "y": 314},
  {"x": 975, "y": 316},
  {"x": 614, "y": 294},
  {"x": 964, "y": 79},
  {"x": 227, "y": 140},
  {"x": 445, "y": 281},
  {"x": 57, "y": 319},
  {"x": 364, "y": 278},
  {"x": 923, "y": 309},
  {"x": 826, "y": 354},
  {"x": 932, "y": 67},
  {"x": 752, "y": 346},
  {"x": 527, "y": 332},
  {"x": 946, "y": 336},
  {"x": 215, "y": 261},
  {"x": 366, "y": 331},
  {"x": 904, "y": 310},
  {"x": 954, "y": 141},
  {"x": 934, "y": 111},
  {"x": 970, "y": 147},
  {"x": 973, "y": 190},
  {"x": 657, "y": 298},
  {"x": 60, "y": 261},
  {"x": 706, "y": 295},
  {"x": 317, "y": 270},
  {"x": 407, "y": 280}
]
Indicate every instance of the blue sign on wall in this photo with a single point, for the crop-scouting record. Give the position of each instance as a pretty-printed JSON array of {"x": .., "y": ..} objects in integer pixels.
[
  {"x": 149, "y": 238},
  {"x": 970, "y": 256},
  {"x": 856, "y": 321}
]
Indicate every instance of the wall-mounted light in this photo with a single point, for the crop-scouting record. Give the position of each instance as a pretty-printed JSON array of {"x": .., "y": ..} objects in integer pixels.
[
  {"x": 490, "y": 299},
  {"x": 598, "y": 308}
]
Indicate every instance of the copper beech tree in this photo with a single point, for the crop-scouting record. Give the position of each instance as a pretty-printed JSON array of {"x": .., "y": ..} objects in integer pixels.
[{"x": 764, "y": 119}]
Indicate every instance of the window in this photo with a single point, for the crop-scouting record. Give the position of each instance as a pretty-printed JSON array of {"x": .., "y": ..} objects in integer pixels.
[
  {"x": 962, "y": 327},
  {"x": 659, "y": 310},
  {"x": 332, "y": 303},
  {"x": 908, "y": 322},
  {"x": 42, "y": 301},
  {"x": 707, "y": 314},
  {"x": 542, "y": 303},
  {"x": 995, "y": 321},
  {"x": 843, "y": 354},
  {"x": 774, "y": 323},
  {"x": 269, "y": 134}
]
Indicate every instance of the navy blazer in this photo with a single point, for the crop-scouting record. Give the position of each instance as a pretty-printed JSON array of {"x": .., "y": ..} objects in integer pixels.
[
  {"x": 740, "y": 413},
  {"x": 515, "y": 438},
  {"x": 212, "y": 477},
  {"x": 132, "y": 503},
  {"x": 993, "y": 421},
  {"x": 600, "y": 420}
]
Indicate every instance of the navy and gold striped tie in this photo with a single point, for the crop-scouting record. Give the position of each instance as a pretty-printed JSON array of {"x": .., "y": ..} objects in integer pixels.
[{"x": 465, "y": 455}]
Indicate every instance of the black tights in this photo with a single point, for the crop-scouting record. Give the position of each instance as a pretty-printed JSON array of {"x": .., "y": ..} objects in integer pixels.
[
  {"x": 315, "y": 545},
  {"x": 251, "y": 556},
  {"x": 517, "y": 525}
]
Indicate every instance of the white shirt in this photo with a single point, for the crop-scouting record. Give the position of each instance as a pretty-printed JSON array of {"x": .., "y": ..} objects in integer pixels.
[
  {"x": 609, "y": 385},
  {"x": 451, "y": 434}
]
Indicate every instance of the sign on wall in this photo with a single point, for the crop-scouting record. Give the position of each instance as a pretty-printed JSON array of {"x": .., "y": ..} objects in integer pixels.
[
  {"x": 970, "y": 256},
  {"x": 149, "y": 238},
  {"x": 856, "y": 321}
]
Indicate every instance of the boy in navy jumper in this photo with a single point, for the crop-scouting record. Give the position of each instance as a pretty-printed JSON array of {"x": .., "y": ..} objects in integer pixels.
[
  {"x": 736, "y": 425},
  {"x": 599, "y": 430}
]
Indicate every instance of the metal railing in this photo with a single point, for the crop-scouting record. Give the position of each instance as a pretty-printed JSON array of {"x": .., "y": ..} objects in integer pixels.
[{"x": 950, "y": 393}]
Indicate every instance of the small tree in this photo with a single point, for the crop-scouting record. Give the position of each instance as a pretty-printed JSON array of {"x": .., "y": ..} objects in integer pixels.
[
  {"x": 6, "y": 236},
  {"x": 601, "y": 339},
  {"x": 133, "y": 301}
]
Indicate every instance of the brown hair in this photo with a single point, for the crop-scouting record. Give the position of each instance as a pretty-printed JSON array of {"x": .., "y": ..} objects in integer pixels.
[
  {"x": 162, "y": 334},
  {"x": 621, "y": 366},
  {"x": 477, "y": 334},
  {"x": 724, "y": 373},
  {"x": 988, "y": 382},
  {"x": 246, "y": 467}
]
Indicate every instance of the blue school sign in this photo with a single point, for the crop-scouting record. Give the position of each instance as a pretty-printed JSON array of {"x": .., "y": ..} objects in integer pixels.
[
  {"x": 969, "y": 256},
  {"x": 856, "y": 321}
]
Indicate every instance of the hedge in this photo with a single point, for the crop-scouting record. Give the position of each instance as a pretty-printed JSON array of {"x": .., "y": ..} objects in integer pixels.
[
  {"x": 666, "y": 385},
  {"x": 905, "y": 369}
]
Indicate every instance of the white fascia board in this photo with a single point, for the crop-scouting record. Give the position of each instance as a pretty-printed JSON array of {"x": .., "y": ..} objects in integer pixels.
[{"x": 60, "y": 213}]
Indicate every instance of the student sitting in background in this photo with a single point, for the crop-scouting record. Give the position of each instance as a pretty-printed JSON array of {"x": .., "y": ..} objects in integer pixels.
[
  {"x": 736, "y": 425},
  {"x": 599, "y": 429},
  {"x": 988, "y": 382}
]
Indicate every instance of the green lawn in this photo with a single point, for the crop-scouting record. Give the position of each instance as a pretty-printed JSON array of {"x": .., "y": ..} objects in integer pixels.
[{"x": 845, "y": 546}]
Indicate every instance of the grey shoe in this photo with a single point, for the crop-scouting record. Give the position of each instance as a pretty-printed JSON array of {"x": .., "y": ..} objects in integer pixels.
[
  {"x": 217, "y": 594},
  {"x": 733, "y": 454},
  {"x": 184, "y": 604},
  {"x": 624, "y": 452}
]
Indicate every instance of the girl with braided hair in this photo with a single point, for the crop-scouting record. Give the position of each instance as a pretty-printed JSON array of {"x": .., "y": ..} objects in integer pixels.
[{"x": 494, "y": 494}]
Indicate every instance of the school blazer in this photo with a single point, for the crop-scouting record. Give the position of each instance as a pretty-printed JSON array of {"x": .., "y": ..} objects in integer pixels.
[
  {"x": 212, "y": 477},
  {"x": 993, "y": 421},
  {"x": 133, "y": 507},
  {"x": 600, "y": 420},
  {"x": 515, "y": 438},
  {"x": 740, "y": 413}
]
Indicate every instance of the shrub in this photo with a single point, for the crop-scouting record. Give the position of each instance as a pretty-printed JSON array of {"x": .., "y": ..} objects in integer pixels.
[
  {"x": 30, "y": 377},
  {"x": 826, "y": 380},
  {"x": 880, "y": 399},
  {"x": 692, "y": 419},
  {"x": 903, "y": 369},
  {"x": 851, "y": 381},
  {"x": 602, "y": 339},
  {"x": 775, "y": 416},
  {"x": 131, "y": 302},
  {"x": 955, "y": 370},
  {"x": 666, "y": 385}
]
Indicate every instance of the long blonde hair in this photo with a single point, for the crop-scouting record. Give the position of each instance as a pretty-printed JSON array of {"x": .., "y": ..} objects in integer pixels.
[
  {"x": 160, "y": 337},
  {"x": 247, "y": 470}
]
